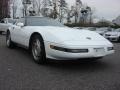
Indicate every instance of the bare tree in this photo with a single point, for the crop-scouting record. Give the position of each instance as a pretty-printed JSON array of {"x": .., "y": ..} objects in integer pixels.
[
  {"x": 46, "y": 4},
  {"x": 37, "y": 4},
  {"x": 62, "y": 9},
  {"x": 54, "y": 13},
  {"x": 77, "y": 10},
  {"x": 87, "y": 15},
  {"x": 39, "y": 7}
]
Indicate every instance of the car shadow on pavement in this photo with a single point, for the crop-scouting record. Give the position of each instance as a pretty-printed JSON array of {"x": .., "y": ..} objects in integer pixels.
[{"x": 81, "y": 64}]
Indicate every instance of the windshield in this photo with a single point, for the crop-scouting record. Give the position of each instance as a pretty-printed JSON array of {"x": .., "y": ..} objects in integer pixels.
[
  {"x": 91, "y": 28},
  {"x": 39, "y": 21},
  {"x": 101, "y": 30},
  {"x": 13, "y": 21}
]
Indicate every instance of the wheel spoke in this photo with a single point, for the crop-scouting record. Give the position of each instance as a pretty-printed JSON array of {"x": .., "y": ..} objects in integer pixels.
[{"x": 36, "y": 49}]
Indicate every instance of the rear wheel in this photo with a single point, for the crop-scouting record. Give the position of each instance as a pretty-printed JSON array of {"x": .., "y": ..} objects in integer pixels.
[
  {"x": 9, "y": 43},
  {"x": 38, "y": 49}
]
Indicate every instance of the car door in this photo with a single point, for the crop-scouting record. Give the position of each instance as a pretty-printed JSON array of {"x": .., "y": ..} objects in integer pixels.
[{"x": 20, "y": 35}]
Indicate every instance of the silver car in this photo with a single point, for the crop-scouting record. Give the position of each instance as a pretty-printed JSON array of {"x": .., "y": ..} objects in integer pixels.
[{"x": 113, "y": 35}]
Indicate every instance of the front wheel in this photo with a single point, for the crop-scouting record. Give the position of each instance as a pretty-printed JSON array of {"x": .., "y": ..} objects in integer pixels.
[{"x": 38, "y": 49}]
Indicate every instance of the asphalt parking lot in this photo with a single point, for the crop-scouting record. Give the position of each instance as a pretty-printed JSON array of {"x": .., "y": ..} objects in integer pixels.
[{"x": 19, "y": 72}]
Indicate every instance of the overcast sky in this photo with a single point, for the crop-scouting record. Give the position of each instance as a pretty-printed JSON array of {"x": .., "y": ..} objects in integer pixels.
[{"x": 108, "y": 9}]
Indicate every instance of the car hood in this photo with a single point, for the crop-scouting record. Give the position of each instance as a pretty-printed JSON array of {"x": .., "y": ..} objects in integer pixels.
[
  {"x": 62, "y": 34},
  {"x": 65, "y": 33}
]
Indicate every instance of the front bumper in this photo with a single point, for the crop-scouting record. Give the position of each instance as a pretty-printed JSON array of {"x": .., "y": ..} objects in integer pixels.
[{"x": 94, "y": 51}]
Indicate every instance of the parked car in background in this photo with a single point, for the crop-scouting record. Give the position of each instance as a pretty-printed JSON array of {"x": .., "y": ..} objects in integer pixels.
[
  {"x": 102, "y": 31},
  {"x": 5, "y": 24},
  {"x": 113, "y": 35},
  {"x": 47, "y": 38},
  {"x": 86, "y": 28}
]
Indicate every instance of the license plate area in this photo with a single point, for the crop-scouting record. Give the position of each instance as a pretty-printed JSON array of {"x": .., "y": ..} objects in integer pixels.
[{"x": 99, "y": 51}]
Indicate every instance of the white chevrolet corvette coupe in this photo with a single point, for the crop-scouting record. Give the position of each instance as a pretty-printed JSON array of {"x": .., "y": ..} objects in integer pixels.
[{"x": 47, "y": 38}]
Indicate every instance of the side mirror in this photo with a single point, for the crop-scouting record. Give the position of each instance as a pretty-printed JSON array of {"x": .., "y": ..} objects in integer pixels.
[{"x": 20, "y": 24}]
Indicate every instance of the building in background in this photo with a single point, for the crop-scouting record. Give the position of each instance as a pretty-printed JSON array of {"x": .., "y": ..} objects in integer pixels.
[{"x": 4, "y": 9}]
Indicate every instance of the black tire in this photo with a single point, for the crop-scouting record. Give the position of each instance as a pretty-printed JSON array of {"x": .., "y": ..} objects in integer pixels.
[
  {"x": 9, "y": 43},
  {"x": 38, "y": 49},
  {"x": 119, "y": 39},
  {"x": 0, "y": 32}
]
